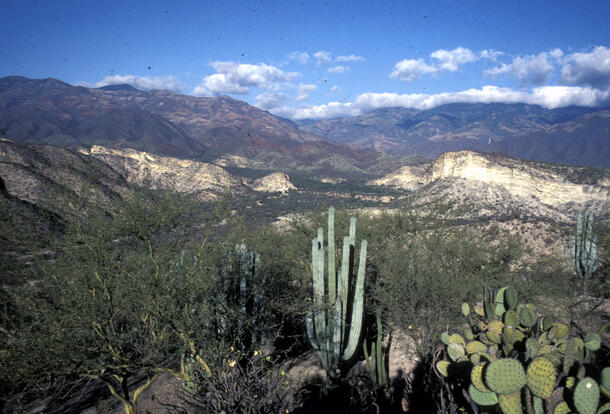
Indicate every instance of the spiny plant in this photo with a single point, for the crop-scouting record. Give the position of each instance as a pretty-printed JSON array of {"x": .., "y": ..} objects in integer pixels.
[
  {"x": 334, "y": 326},
  {"x": 582, "y": 251},
  {"x": 239, "y": 317},
  {"x": 376, "y": 360},
  {"x": 242, "y": 291},
  {"x": 511, "y": 358}
]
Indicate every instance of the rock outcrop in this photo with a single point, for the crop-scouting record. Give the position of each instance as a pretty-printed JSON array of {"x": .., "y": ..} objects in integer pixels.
[
  {"x": 49, "y": 177},
  {"x": 158, "y": 172},
  {"x": 488, "y": 180},
  {"x": 273, "y": 183}
]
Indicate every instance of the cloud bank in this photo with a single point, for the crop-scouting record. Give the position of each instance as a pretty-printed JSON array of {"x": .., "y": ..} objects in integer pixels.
[
  {"x": 144, "y": 83},
  {"x": 546, "y": 96},
  {"x": 238, "y": 78},
  {"x": 408, "y": 70}
]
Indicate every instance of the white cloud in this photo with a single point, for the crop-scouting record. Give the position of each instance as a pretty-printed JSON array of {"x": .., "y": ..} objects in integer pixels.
[
  {"x": 338, "y": 69},
  {"x": 531, "y": 69},
  {"x": 238, "y": 78},
  {"x": 268, "y": 100},
  {"x": 169, "y": 83},
  {"x": 301, "y": 57},
  {"x": 322, "y": 58},
  {"x": 546, "y": 96},
  {"x": 588, "y": 68},
  {"x": 350, "y": 58},
  {"x": 335, "y": 89},
  {"x": 490, "y": 54},
  {"x": 303, "y": 91},
  {"x": 451, "y": 59},
  {"x": 409, "y": 69}
]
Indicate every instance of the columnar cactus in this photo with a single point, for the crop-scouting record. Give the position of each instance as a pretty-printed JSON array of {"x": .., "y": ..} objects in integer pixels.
[
  {"x": 376, "y": 360},
  {"x": 242, "y": 290},
  {"x": 583, "y": 256},
  {"x": 334, "y": 326}
]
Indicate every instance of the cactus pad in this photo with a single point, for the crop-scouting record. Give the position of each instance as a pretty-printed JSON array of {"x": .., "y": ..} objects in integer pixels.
[
  {"x": 541, "y": 377},
  {"x": 546, "y": 323},
  {"x": 532, "y": 346},
  {"x": 527, "y": 317},
  {"x": 475, "y": 346},
  {"x": 559, "y": 330},
  {"x": 562, "y": 408},
  {"x": 457, "y": 339},
  {"x": 511, "y": 318},
  {"x": 479, "y": 310},
  {"x": 593, "y": 341},
  {"x": 482, "y": 398},
  {"x": 511, "y": 403},
  {"x": 443, "y": 367},
  {"x": 538, "y": 406},
  {"x": 445, "y": 338},
  {"x": 494, "y": 337},
  {"x": 476, "y": 377},
  {"x": 510, "y": 298},
  {"x": 465, "y": 309},
  {"x": 455, "y": 351},
  {"x": 586, "y": 396},
  {"x": 495, "y": 326},
  {"x": 505, "y": 376}
]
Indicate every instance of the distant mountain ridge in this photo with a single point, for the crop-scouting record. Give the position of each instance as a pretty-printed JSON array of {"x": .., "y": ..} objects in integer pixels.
[
  {"x": 573, "y": 135},
  {"x": 50, "y": 111}
]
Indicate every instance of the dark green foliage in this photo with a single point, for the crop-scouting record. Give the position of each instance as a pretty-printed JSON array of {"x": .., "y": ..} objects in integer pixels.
[
  {"x": 582, "y": 251},
  {"x": 246, "y": 384},
  {"x": 113, "y": 303}
]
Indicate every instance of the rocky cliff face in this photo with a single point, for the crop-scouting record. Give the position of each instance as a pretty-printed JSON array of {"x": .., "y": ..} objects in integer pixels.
[
  {"x": 158, "y": 172},
  {"x": 506, "y": 183},
  {"x": 273, "y": 183},
  {"x": 50, "y": 177}
]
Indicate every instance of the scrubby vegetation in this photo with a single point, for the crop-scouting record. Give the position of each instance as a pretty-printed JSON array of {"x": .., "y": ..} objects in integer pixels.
[{"x": 159, "y": 283}]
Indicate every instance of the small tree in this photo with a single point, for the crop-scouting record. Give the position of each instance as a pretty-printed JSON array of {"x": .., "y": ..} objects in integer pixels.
[{"x": 119, "y": 301}]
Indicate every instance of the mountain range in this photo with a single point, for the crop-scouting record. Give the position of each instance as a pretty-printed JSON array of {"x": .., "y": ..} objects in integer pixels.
[
  {"x": 49, "y": 111},
  {"x": 223, "y": 129},
  {"x": 571, "y": 135}
]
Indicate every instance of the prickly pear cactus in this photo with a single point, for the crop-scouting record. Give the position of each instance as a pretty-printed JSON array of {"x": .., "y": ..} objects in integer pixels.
[{"x": 521, "y": 362}]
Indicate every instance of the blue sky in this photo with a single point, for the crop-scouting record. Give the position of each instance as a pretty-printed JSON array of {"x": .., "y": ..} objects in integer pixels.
[{"x": 320, "y": 59}]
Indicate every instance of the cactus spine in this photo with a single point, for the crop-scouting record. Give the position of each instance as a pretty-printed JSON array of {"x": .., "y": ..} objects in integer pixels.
[
  {"x": 334, "y": 326},
  {"x": 582, "y": 249}
]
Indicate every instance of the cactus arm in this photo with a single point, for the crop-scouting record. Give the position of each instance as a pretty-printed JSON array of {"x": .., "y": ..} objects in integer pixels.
[
  {"x": 332, "y": 274},
  {"x": 334, "y": 298},
  {"x": 344, "y": 287},
  {"x": 357, "y": 311},
  {"x": 318, "y": 295}
]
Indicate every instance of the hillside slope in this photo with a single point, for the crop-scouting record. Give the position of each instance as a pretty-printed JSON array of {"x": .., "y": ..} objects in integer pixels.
[{"x": 573, "y": 135}]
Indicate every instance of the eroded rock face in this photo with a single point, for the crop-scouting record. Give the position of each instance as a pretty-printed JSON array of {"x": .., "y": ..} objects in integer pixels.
[
  {"x": 492, "y": 180},
  {"x": 48, "y": 176},
  {"x": 517, "y": 178},
  {"x": 273, "y": 183},
  {"x": 175, "y": 174}
]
